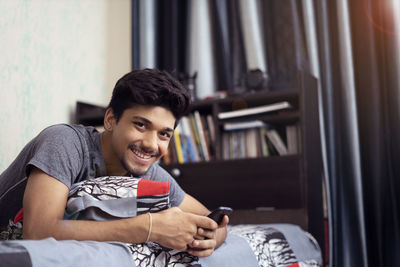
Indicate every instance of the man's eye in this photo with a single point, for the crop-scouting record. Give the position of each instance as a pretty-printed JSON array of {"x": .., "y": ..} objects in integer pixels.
[
  {"x": 165, "y": 134},
  {"x": 139, "y": 124}
]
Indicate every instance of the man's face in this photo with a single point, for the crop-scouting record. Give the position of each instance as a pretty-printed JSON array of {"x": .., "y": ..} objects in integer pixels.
[{"x": 141, "y": 136}]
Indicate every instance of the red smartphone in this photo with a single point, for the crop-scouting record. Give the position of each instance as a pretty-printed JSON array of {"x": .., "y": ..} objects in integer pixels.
[{"x": 218, "y": 214}]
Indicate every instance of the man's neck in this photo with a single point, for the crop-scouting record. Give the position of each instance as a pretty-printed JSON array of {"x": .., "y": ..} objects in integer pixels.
[{"x": 113, "y": 165}]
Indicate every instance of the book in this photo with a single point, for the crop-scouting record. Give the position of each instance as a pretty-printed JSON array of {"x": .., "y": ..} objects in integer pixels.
[
  {"x": 241, "y": 125},
  {"x": 254, "y": 110},
  {"x": 185, "y": 148},
  {"x": 251, "y": 143},
  {"x": 207, "y": 137},
  {"x": 178, "y": 145},
  {"x": 263, "y": 143},
  {"x": 271, "y": 148},
  {"x": 277, "y": 141},
  {"x": 200, "y": 129},
  {"x": 191, "y": 143},
  {"x": 196, "y": 136},
  {"x": 240, "y": 144},
  {"x": 226, "y": 145},
  {"x": 291, "y": 136},
  {"x": 211, "y": 128}
]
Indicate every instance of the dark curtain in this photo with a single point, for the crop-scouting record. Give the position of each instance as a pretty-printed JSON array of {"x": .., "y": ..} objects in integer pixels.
[
  {"x": 282, "y": 30},
  {"x": 171, "y": 17},
  {"x": 135, "y": 34},
  {"x": 283, "y": 38},
  {"x": 358, "y": 52},
  {"x": 222, "y": 44},
  {"x": 362, "y": 144}
]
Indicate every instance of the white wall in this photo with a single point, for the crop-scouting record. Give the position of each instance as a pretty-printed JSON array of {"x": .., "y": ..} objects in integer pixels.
[{"x": 53, "y": 53}]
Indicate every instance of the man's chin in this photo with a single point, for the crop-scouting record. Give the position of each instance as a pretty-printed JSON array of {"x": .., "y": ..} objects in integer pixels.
[
  {"x": 137, "y": 171},
  {"x": 135, "y": 168}
]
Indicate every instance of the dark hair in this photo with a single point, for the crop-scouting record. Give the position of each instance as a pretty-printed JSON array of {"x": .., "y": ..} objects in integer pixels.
[{"x": 149, "y": 87}]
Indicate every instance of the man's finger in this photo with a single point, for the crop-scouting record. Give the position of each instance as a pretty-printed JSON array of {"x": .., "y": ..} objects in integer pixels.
[
  {"x": 225, "y": 221},
  {"x": 205, "y": 222},
  {"x": 205, "y": 233},
  {"x": 204, "y": 244},
  {"x": 200, "y": 252}
]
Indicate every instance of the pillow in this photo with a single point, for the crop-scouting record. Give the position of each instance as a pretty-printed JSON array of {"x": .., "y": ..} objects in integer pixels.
[{"x": 114, "y": 197}]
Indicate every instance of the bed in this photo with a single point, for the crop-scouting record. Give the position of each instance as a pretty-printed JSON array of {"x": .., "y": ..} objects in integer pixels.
[{"x": 111, "y": 197}]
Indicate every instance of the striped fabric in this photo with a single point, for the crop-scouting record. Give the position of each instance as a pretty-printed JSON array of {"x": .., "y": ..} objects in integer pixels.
[
  {"x": 116, "y": 196},
  {"x": 152, "y": 196}
]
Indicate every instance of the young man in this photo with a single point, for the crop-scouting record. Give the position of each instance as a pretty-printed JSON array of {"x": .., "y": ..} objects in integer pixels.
[{"x": 139, "y": 123}]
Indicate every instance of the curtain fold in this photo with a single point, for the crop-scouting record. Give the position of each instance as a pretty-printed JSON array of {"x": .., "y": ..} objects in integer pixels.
[
  {"x": 352, "y": 47},
  {"x": 351, "y": 208},
  {"x": 357, "y": 56},
  {"x": 201, "y": 60},
  {"x": 252, "y": 35},
  {"x": 135, "y": 34},
  {"x": 238, "y": 58},
  {"x": 382, "y": 173},
  {"x": 147, "y": 34},
  {"x": 171, "y": 34},
  {"x": 222, "y": 46}
]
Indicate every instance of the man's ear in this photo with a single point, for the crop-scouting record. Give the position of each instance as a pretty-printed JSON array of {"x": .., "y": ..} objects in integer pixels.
[{"x": 109, "y": 120}]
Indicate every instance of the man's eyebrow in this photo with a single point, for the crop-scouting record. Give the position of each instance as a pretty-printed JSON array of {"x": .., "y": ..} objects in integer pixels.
[
  {"x": 149, "y": 122},
  {"x": 169, "y": 130},
  {"x": 143, "y": 119}
]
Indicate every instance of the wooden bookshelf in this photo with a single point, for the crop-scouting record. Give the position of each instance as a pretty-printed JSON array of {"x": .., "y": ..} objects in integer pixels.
[{"x": 271, "y": 189}]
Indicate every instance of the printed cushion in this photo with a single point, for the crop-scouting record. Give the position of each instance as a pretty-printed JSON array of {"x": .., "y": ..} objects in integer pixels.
[
  {"x": 113, "y": 197},
  {"x": 280, "y": 245}
]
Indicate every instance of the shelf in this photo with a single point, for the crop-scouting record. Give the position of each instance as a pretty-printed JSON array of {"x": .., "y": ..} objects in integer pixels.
[
  {"x": 265, "y": 160},
  {"x": 285, "y": 117},
  {"x": 287, "y": 188},
  {"x": 243, "y": 183},
  {"x": 88, "y": 114}
]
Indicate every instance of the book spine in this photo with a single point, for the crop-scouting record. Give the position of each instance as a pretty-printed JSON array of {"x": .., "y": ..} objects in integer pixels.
[
  {"x": 276, "y": 140},
  {"x": 291, "y": 137},
  {"x": 211, "y": 127},
  {"x": 196, "y": 135},
  {"x": 202, "y": 136},
  {"x": 178, "y": 145},
  {"x": 192, "y": 149},
  {"x": 263, "y": 142},
  {"x": 255, "y": 110}
]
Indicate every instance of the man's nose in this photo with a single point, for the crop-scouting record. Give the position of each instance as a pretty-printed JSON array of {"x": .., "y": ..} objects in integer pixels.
[{"x": 150, "y": 142}]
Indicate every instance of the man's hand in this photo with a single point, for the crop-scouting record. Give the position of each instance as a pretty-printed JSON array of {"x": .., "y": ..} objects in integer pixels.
[
  {"x": 206, "y": 240},
  {"x": 44, "y": 205},
  {"x": 214, "y": 237},
  {"x": 176, "y": 229}
]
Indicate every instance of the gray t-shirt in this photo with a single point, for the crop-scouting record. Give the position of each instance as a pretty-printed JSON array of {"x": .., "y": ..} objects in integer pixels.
[{"x": 69, "y": 153}]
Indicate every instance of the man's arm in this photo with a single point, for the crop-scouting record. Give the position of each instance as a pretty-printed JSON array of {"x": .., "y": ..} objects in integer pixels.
[
  {"x": 44, "y": 205},
  {"x": 212, "y": 238}
]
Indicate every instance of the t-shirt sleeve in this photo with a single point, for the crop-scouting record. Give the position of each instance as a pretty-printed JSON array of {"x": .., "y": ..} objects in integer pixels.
[
  {"x": 58, "y": 152},
  {"x": 176, "y": 193}
]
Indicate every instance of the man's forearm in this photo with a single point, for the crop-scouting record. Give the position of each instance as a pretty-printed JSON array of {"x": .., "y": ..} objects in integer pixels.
[{"x": 132, "y": 230}]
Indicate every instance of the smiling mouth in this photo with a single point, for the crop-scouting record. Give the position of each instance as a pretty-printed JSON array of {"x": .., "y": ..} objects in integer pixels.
[{"x": 140, "y": 154}]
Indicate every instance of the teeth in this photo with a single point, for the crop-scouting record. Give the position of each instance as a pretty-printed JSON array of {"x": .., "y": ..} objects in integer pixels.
[{"x": 139, "y": 154}]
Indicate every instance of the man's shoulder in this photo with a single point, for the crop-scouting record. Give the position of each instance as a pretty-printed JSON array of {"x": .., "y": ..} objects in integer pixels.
[
  {"x": 68, "y": 137},
  {"x": 68, "y": 131},
  {"x": 64, "y": 127}
]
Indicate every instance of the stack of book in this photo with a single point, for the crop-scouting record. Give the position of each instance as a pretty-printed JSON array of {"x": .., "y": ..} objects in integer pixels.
[
  {"x": 253, "y": 139},
  {"x": 194, "y": 140},
  {"x": 195, "y": 136}
]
